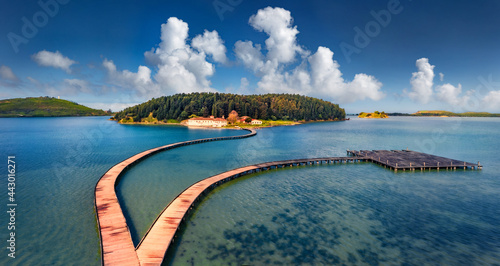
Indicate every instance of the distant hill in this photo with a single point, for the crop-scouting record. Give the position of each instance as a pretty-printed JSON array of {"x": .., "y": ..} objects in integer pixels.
[
  {"x": 45, "y": 107},
  {"x": 266, "y": 107},
  {"x": 447, "y": 113}
]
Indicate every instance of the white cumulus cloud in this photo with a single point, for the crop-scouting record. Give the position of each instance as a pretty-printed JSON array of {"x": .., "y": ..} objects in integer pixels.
[
  {"x": 282, "y": 65},
  {"x": 277, "y": 24},
  {"x": 316, "y": 75},
  {"x": 180, "y": 67},
  {"x": 328, "y": 80},
  {"x": 451, "y": 95},
  {"x": 51, "y": 59},
  {"x": 249, "y": 54},
  {"x": 459, "y": 100},
  {"x": 211, "y": 44},
  {"x": 422, "y": 81},
  {"x": 6, "y": 73},
  {"x": 139, "y": 81},
  {"x": 491, "y": 101}
]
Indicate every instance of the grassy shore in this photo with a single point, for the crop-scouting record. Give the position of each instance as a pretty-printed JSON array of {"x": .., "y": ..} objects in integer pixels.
[
  {"x": 265, "y": 123},
  {"x": 451, "y": 114},
  {"x": 269, "y": 123}
]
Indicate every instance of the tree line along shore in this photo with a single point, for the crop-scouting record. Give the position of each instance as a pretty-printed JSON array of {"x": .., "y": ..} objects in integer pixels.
[{"x": 272, "y": 109}]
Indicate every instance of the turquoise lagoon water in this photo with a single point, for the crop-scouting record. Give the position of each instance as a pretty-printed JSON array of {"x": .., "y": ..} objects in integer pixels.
[{"x": 331, "y": 214}]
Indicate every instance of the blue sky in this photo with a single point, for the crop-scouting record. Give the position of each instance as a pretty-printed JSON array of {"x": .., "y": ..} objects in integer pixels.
[{"x": 113, "y": 54}]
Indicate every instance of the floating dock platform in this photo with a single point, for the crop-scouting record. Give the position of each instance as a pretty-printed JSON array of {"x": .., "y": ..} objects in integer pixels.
[{"x": 406, "y": 160}]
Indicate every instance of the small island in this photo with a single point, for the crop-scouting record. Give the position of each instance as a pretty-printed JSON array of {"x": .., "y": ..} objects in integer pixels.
[
  {"x": 45, "y": 107},
  {"x": 375, "y": 114},
  {"x": 231, "y": 110}
]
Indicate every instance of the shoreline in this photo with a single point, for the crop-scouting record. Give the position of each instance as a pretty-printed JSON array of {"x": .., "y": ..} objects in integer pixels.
[
  {"x": 48, "y": 116},
  {"x": 277, "y": 123}
]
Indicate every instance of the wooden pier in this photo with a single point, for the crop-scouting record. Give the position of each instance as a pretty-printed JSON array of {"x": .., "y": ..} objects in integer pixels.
[
  {"x": 117, "y": 247},
  {"x": 154, "y": 245},
  {"x": 406, "y": 160}
]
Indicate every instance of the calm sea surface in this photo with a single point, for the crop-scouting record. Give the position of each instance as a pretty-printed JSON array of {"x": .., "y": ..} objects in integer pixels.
[{"x": 359, "y": 214}]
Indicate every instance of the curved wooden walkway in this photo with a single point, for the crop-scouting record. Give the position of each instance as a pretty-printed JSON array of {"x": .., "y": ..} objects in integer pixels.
[
  {"x": 116, "y": 242},
  {"x": 117, "y": 246},
  {"x": 154, "y": 245}
]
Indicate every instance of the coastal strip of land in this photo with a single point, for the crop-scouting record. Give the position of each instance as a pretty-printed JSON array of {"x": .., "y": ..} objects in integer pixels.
[{"x": 117, "y": 247}]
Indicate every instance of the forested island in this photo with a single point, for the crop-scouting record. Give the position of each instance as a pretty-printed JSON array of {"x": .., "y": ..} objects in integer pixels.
[
  {"x": 272, "y": 107},
  {"x": 45, "y": 107},
  {"x": 375, "y": 114}
]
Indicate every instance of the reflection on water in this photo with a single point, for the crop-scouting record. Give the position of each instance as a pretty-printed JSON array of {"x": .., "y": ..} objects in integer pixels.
[
  {"x": 338, "y": 214},
  {"x": 351, "y": 214}
]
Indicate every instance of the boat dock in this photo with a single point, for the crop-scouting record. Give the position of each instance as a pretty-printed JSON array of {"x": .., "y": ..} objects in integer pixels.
[
  {"x": 406, "y": 160},
  {"x": 155, "y": 243},
  {"x": 117, "y": 247}
]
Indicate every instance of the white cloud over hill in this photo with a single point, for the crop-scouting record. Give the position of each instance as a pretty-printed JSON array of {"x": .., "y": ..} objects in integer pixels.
[
  {"x": 422, "y": 81},
  {"x": 179, "y": 67},
  {"x": 51, "y": 59},
  {"x": 182, "y": 66},
  {"x": 6, "y": 73},
  {"x": 485, "y": 97},
  {"x": 314, "y": 74}
]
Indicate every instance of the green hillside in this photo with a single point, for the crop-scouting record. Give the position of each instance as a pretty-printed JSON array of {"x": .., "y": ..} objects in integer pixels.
[
  {"x": 447, "y": 113},
  {"x": 265, "y": 107},
  {"x": 45, "y": 107}
]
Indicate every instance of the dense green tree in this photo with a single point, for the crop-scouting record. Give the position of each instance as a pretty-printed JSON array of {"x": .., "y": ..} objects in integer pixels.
[{"x": 267, "y": 106}]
